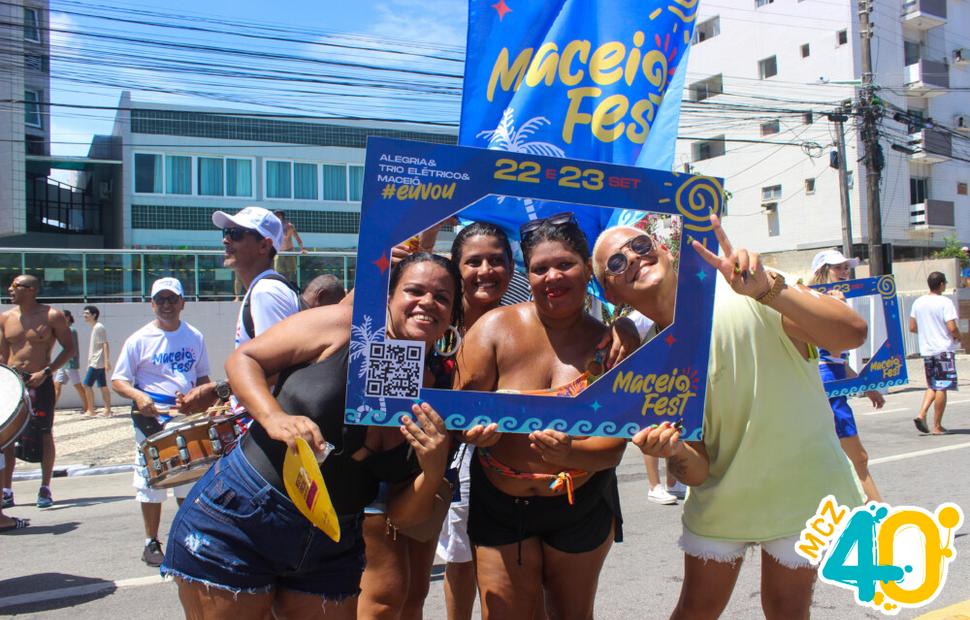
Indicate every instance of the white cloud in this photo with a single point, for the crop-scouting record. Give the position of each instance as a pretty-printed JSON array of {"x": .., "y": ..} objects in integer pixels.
[{"x": 437, "y": 22}]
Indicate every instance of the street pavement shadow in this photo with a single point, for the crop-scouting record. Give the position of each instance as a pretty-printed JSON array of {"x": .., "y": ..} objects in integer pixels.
[
  {"x": 81, "y": 502},
  {"x": 74, "y": 590},
  {"x": 55, "y": 529}
]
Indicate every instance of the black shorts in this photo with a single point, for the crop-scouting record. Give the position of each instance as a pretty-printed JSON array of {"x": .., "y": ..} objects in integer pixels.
[
  {"x": 42, "y": 404},
  {"x": 495, "y": 518}
]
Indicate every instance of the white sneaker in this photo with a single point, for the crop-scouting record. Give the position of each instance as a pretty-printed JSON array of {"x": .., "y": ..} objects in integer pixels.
[
  {"x": 659, "y": 495},
  {"x": 679, "y": 490}
]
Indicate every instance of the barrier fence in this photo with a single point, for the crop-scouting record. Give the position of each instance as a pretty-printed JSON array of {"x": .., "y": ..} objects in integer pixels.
[{"x": 127, "y": 275}]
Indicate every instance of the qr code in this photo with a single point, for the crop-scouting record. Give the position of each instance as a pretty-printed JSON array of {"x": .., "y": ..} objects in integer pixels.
[{"x": 395, "y": 369}]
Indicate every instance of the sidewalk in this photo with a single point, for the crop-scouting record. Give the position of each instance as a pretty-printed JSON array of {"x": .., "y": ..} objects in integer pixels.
[{"x": 87, "y": 445}]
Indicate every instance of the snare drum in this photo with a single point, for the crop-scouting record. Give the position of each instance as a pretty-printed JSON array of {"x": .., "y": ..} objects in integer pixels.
[
  {"x": 14, "y": 406},
  {"x": 183, "y": 452}
]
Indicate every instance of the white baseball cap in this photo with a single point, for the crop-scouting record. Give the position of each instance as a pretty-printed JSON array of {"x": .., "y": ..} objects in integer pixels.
[
  {"x": 253, "y": 218},
  {"x": 832, "y": 257},
  {"x": 167, "y": 284}
]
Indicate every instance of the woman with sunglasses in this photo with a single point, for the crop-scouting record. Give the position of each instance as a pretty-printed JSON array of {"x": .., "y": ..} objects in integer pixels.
[
  {"x": 239, "y": 548},
  {"x": 831, "y": 266},
  {"x": 544, "y": 507}
]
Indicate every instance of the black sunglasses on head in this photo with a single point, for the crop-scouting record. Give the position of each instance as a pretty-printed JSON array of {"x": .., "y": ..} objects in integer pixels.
[
  {"x": 237, "y": 234},
  {"x": 618, "y": 263},
  {"x": 559, "y": 219}
]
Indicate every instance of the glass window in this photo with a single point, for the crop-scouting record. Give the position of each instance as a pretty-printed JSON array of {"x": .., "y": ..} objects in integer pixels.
[
  {"x": 356, "y": 183},
  {"x": 239, "y": 177},
  {"x": 178, "y": 174},
  {"x": 334, "y": 182},
  {"x": 32, "y": 108},
  {"x": 708, "y": 149},
  {"x": 758, "y": 3},
  {"x": 210, "y": 176},
  {"x": 31, "y": 27},
  {"x": 278, "y": 179},
  {"x": 841, "y": 37},
  {"x": 768, "y": 67},
  {"x": 772, "y": 192},
  {"x": 809, "y": 186},
  {"x": 918, "y": 189},
  {"x": 305, "y": 181},
  {"x": 707, "y": 88},
  {"x": 707, "y": 29},
  {"x": 771, "y": 127},
  {"x": 806, "y": 50},
  {"x": 911, "y": 52},
  {"x": 148, "y": 173}
]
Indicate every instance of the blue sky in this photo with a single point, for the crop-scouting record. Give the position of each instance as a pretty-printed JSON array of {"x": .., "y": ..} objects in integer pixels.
[{"x": 438, "y": 22}]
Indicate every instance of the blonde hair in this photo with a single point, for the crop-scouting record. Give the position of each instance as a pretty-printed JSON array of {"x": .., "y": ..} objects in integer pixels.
[{"x": 822, "y": 275}]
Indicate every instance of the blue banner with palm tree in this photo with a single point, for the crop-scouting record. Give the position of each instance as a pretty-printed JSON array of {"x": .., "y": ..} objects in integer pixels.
[{"x": 588, "y": 79}]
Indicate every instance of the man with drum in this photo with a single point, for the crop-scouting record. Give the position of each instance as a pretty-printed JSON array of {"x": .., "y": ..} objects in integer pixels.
[
  {"x": 27, "y": 335},
  {"x": 164, "y": 358},
  {"x": 251, "y": 238}
]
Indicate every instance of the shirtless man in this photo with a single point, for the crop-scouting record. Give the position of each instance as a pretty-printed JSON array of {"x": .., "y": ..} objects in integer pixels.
[
  {"x": 286, "y": 265},
  {"x": 27, "y": 336}
]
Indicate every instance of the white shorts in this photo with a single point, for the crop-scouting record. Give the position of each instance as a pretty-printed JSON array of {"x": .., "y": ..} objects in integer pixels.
[
  {"x": 68, "y": 376},
  {"x": 728, "y": 551},
  {"x": 144, "y": 493},
  {"x": 453, "y": 543}
]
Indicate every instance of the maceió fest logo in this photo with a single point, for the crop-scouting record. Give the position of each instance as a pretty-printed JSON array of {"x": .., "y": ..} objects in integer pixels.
[{"x": 891, "y": 557}]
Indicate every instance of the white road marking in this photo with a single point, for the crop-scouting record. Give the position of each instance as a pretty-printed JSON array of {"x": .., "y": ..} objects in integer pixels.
[
  {"x": 91, "y": 588},
  {"x": 914, "y": 409},
  {"x": 910, "y": 455}
]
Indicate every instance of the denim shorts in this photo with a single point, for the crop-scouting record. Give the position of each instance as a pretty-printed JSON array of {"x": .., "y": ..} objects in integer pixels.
[
  {"x": 95, "y": 376},
  {"x": 237, "y": 532}
]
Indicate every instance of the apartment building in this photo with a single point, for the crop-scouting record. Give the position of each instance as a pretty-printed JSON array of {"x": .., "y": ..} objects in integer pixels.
[
  {"x": 762, "y": 75},
  {"x": 179, "y": 164}
]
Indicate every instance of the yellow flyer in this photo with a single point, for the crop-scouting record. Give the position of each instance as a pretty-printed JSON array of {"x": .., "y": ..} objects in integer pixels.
[{"x": 305, "y": 486}]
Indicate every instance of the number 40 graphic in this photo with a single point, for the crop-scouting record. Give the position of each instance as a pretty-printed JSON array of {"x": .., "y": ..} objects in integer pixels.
[{"x": 891, "y": 557}]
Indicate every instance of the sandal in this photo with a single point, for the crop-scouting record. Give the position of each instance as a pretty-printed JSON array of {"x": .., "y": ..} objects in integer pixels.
[
  {"x": 18, "y": 524},
  {"x": 921, "y": 425}
]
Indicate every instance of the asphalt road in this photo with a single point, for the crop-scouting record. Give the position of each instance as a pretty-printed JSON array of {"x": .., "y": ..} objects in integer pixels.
[{"x": 81, "y": 559}]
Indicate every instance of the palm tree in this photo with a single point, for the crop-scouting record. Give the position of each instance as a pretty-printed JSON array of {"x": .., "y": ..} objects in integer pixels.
[{"x": 361, "y": 339}]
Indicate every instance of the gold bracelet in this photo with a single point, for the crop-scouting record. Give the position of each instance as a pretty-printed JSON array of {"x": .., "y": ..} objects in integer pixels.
[{"x": 777, "y": 284}]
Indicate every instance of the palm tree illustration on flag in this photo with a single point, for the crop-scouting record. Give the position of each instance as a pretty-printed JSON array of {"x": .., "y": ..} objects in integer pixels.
[
  {"x": 506, "y": 137},
  {"x": 361, "y": 339}
]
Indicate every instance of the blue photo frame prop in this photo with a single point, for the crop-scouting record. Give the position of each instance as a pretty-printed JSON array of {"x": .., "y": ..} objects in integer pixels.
[
  {"x": 410, "y": 186},
  {"x": 887, "y": 367}
]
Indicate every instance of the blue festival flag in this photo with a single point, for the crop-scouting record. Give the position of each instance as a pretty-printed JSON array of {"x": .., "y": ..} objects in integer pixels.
[{"x": 590, "y": 79}]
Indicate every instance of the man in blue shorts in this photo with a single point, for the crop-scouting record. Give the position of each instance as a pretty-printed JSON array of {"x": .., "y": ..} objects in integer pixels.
[{"x": 99, "y": 361}]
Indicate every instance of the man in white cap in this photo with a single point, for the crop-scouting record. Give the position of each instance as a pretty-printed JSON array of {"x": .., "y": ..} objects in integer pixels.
[
  {"x": 164, "y": 358},
  {"x": 251, "y": 238}
]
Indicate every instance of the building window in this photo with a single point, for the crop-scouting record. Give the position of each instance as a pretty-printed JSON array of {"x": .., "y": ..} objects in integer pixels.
[
  {"x": 918, "y": 190},
  {"x": 772, "y": 192},
  {"x": 771, "y": 127},
  {"x": 31, "y": 26},
  {"x": 36, "y": 63},
  {"x": 278, "y": 177},
  {"x": 148, "y": 173},
  {"x": 961, "y": 189},
  {"x": 708, "y": 149},
  {"x": 356, "y": 183},
  {"x": 841, "y": 37},
  {"x": 239, "y": 177},
  {"x": 210, "y": 171},
  {"x": 806, "y": 50},
  {"x": 32, "y": 109},
  {"x": 911, "y": 52},
  {"x": 305, "y": 181},
  {"x": 809, "y": 186},
  {"x": 707, "y": 29},
  {"x": 774, "y": 226},
  {"x": 768, "y": 67},
  {"x": 178, "y": 174},
  {"x": 334, "y": 182},
  {"x": 808, "y": 118},
  {"x": 704, "y": 89},
  {"x": 758, "y": 3}
]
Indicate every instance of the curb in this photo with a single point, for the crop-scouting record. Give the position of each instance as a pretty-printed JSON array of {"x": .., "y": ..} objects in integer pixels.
[{"x": 70, "y": 471}]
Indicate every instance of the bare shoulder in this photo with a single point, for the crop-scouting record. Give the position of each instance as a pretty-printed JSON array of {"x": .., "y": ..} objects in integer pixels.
[
  {"x": 55, "y": 316},
  {"x": 500, "y": 321}
]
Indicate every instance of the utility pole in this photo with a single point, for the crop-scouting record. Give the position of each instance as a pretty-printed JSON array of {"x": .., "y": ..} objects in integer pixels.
[
  {"x": 839, "y": 119},
  {"x": 870, "y": 137}
]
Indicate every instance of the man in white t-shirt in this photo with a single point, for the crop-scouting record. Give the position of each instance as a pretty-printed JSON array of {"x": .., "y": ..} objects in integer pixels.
[
  {"x": 164, "y": 358},
  {"x": 251, "y": 237},
  {"x": 934, "y": 319},
  {"x": 99, "y": 361}
]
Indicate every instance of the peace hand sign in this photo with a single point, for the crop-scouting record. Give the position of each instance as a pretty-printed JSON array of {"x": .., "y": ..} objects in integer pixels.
[{"x": 741, "y": 268}]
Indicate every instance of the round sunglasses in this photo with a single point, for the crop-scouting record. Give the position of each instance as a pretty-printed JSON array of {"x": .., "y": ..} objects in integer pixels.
[{"x": 618, "y": 263}]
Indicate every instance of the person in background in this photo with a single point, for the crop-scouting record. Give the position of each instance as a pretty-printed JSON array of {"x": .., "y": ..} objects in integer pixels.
[
  {"x": 934, "y": 319},
  {"x": 286, "y": 265},
  {"x": 323, "y": 291},
  {"x": 99, "y": 362},
  {"x": 70, "y": 373},
  {"x": 163, "y": 358},
  {"x": 831, "y": 266}
]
